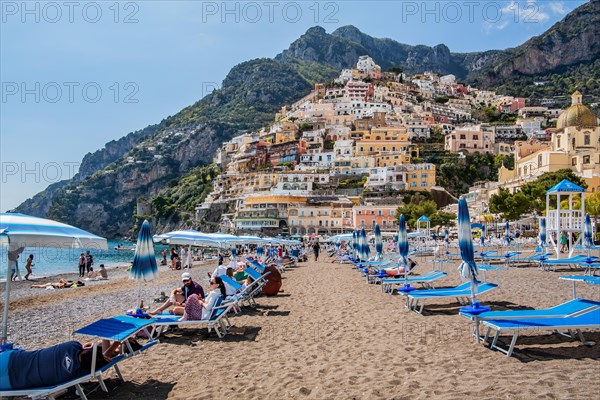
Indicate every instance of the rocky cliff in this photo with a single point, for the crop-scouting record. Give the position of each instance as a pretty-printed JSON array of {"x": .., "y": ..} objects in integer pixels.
[
  {"x": 102, "y": 197},
  {"x": 573, "y": 40}
]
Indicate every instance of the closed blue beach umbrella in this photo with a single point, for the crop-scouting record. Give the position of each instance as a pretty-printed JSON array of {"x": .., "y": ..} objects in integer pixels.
[
  {"x": 233, "y": 251},
  {"x": 403, "y": 249},
  {"x": 365, "y": 251},
  {"x": 378, "y": 242},
  {"x": 588, "y": 243},
  {"x": 506, "y": 234},
  {"x": 446, "y": 236},
  {"x": 482, "y": 238},
  {"x": 468, "y": 267},
  {"x": 542, "y": 244},
  {"x": 587, "y": 233},
  {"x": 144, "y": 268}
]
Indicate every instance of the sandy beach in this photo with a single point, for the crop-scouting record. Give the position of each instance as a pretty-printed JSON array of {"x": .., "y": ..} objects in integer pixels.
[{"x": 328, "y": 335}]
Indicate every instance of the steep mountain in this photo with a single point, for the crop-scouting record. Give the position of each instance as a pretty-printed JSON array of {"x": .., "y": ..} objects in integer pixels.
[
  {"x": 341, "y": 49},
  {"x": 102, "y": 198},
  {"x": 572, "y": 41},
  {"x": 39, "y": 204},
  {"x": 148, "y": 164}
]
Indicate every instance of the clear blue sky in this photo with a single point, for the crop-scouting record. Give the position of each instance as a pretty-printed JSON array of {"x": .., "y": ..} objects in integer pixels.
[{"x": 149, "y": 59}]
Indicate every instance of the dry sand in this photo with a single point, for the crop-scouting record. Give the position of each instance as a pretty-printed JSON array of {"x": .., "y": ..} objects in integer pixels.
[{"x": 331, "y": 336}]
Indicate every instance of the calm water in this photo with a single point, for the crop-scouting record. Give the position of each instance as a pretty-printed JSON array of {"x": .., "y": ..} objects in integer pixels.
[{"x": 48, "y": 261}]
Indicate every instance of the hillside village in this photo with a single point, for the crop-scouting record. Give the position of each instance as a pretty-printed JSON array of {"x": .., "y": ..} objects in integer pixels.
[{"x": 341, "y": 156}]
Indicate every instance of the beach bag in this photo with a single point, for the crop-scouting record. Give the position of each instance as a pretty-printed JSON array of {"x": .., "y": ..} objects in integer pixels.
[{"x": 178, "y": 265}]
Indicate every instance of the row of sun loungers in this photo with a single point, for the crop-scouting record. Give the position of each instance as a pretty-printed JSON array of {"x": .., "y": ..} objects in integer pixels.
[
  {"x": 569, "y": 319},
  {"x": 122, "y": 328}
]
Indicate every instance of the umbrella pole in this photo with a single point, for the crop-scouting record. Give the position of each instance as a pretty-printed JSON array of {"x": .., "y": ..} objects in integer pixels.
[
  {"x": 5, "y": 313},
  {"x": 139, "y": 297}
]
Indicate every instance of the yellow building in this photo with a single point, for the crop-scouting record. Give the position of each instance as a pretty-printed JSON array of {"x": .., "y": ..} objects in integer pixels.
[
  {"x": 286, "y": 133},
  {"x": 391, "y": 159},
  {"x": 385, "y": 139},
  {"x": 575, "y": 144}
]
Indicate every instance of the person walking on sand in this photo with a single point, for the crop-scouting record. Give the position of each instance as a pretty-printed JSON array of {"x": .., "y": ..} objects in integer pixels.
[
  {"x": 82, "y": 262},
  {"x": 316, "y": 248},
  {"x": 28, "y": 266},
  {"x": 564, "y": 240}
]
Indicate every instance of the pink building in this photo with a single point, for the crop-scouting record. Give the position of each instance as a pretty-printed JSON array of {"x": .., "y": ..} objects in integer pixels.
[
  {"x": 470, "y": 139},
  {"x": 385, "y": 216}
]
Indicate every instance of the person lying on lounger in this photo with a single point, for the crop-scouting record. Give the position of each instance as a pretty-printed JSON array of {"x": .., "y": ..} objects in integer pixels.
[
  {"x": 21, "y": 369},
  {"x": 62, "y": 283},
  {"x": 395, "y": 270}
]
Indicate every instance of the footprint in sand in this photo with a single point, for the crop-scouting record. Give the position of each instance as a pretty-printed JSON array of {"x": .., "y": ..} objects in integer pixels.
[{"x": 304, "y": 391}]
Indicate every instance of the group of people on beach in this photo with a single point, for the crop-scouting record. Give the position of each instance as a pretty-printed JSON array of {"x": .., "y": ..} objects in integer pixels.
[
  {"x": 28, "y": 265},
  {"x": 85, "y": 263}
]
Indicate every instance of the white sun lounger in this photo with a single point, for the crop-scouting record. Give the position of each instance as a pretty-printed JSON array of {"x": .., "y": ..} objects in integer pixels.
[{"x": 218, "y": 320}]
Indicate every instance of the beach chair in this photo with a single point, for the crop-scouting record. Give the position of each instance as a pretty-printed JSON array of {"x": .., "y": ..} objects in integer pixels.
[
  {"x": 575, "y": 261},
  {"x": 218, "y": 320},
  {"x": 568, "y": 309},
  {"x": 115, "y": 328},
  {"x": 244, "y": 294},
  {"x": 387, "y": 285},
  {"x": 506, "y": 258},
  {"x": 591, "y": 280},
  {"x": 532, "y": 259},
  {"x": 256, "y": 265},
  {"x": 589, "y": 320},
  {"x": 416, "y": 299}
]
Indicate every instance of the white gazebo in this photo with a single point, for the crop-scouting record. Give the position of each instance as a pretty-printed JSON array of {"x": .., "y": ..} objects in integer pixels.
[
  {"x": 424, "y": 226},
  {"x": 568, "y": 220}
]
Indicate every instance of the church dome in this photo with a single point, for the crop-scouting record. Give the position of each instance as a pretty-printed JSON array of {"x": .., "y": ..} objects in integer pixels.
[{"x": 577, "y": 115}]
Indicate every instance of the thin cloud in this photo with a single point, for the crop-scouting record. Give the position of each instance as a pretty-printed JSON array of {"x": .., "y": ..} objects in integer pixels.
[{"x": 558, "y": 8}]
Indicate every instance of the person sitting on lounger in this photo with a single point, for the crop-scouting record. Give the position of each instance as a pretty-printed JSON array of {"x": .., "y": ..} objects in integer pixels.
[
  {"x": 197, "y": 309},
  {"x": 20, "y": 369},
  {"x": 179, "y": 296}
]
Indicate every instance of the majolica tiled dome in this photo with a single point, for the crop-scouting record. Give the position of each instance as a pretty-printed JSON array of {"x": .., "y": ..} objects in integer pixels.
[{"x": 577, "y": 115}]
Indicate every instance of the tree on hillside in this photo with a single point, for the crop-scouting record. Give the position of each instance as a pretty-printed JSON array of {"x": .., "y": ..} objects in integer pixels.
[{"x": 413, "y": 211}]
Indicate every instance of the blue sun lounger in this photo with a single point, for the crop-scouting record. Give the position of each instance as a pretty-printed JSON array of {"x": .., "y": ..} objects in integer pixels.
[
  {"x": 591, "y": 280},
  {"x": 387, "y": 285},
  {"x": 570, "y": 308},
  {"x": 116, "y": 328},
  {"x": 589, "y": 320},
  {"x": 570, "y": 262},
  {"x": 532, "y": 259},
  {"x": 415, "y": 300}
]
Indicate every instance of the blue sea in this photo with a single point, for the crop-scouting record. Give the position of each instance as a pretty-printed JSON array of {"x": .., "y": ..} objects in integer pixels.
[{"x": 49, "y": 261}]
